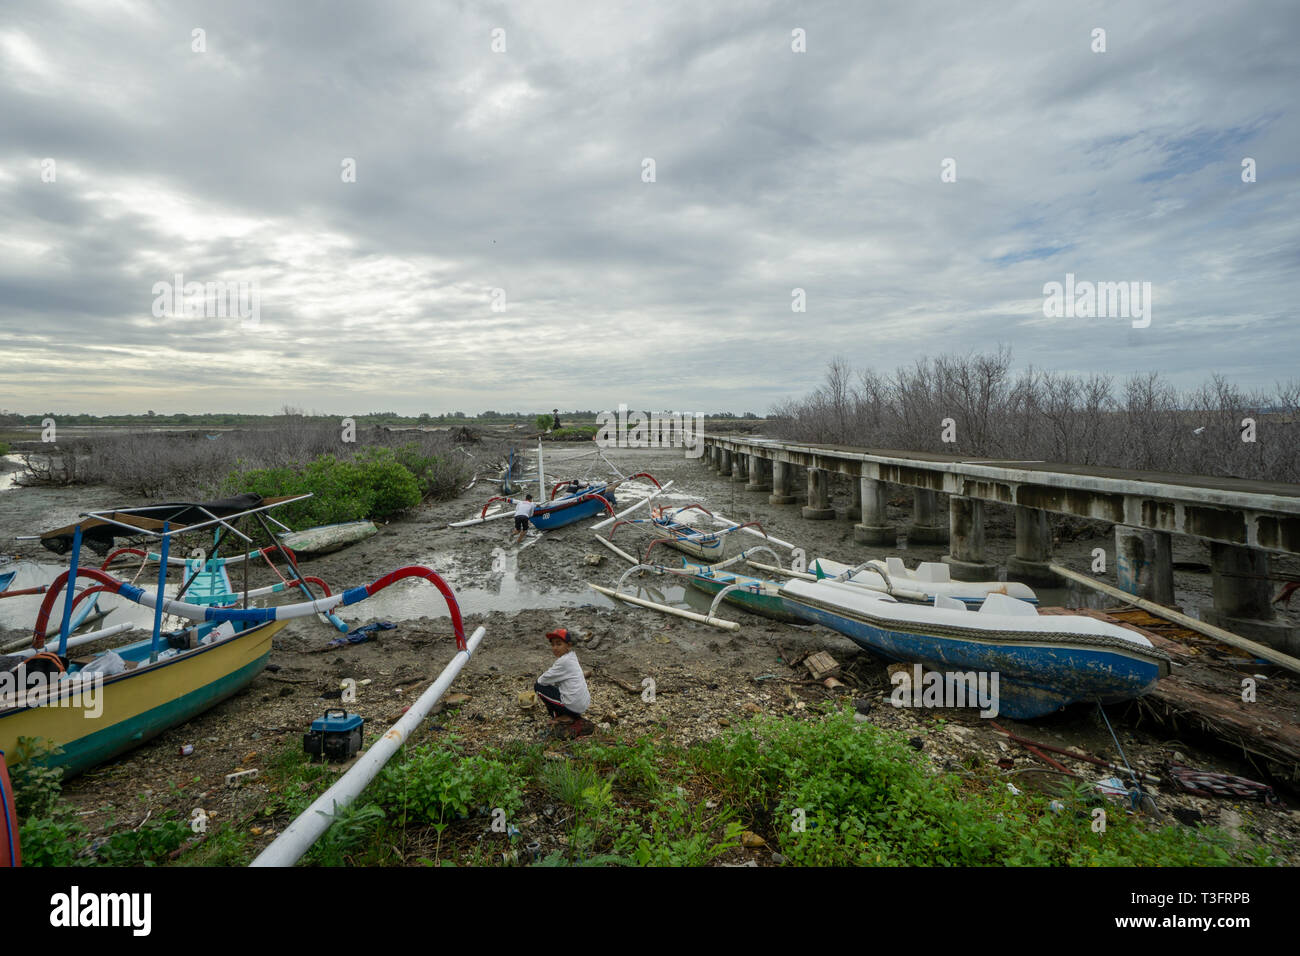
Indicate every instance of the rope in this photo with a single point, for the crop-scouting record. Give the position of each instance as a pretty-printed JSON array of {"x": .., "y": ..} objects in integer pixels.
[{"x": 1136, "y": 793}]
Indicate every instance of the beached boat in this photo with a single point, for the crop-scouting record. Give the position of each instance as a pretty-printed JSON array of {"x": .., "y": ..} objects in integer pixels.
[
  {"x": 328, "y": 537},
  {"x": 671, "y": 530},
  {"x": 756, "y": 595},
  {"x": 927, "y": 579},
  {"x": 98, "y": 706},
  {"x": 573, "y": 500},
  {"x": 1043, "y": 662}
]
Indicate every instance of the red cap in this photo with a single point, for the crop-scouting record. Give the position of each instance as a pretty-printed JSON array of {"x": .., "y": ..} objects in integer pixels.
[{"x": 562, "y": 633}]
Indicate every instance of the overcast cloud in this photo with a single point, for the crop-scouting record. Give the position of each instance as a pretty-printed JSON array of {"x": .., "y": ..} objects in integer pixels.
[{"x": 522, "y": 170}]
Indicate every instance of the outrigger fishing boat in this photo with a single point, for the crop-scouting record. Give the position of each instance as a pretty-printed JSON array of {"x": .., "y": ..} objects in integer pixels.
[
  {"x": 1043, "y": 662},
  {"x": 580, "y": 499},
  {"x": 672, "y": 531},
  {"x": 756, "y": 595},
  {"x": 221, "y": 642}
]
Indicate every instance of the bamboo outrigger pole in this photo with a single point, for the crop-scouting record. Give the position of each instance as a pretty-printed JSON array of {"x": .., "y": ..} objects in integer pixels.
[
  {"x": 689, "y": 615},
  {"x": 1209, "y": 630}
]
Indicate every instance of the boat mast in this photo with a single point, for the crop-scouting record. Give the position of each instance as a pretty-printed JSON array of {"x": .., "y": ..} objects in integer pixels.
[{"x": 541, "y": 476}]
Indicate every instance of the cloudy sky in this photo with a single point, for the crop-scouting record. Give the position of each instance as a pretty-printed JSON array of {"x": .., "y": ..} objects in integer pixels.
[{"x": 224, "y": 156}]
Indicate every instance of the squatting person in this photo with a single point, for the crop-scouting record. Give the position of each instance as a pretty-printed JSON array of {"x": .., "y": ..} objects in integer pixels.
[{"x": 563, "y": 689}]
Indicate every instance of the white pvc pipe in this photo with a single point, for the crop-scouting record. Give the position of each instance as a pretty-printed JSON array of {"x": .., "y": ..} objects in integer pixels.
[
  {"x": 83, "y": 639},
  {"x": 298, "y": 837},
  {"x": 758, "y": 534},
  {"x": 492, "y": 517},
  {"x": 627, "y": 511}
]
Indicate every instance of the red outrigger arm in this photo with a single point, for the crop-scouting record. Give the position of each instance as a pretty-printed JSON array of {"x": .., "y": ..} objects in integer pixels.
[
  {"x": 252, "y": 615},
  {"x": 642, "y": 474},
  {"x": 677, "y": 511},
  {"x": 483, "y": 513},
  {"x": 600, "y": 498}
]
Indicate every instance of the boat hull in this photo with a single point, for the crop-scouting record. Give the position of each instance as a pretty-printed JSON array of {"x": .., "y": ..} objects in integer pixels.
[
  {"x": 1036, "y": 677},
  {"x": 766, "y": 605},
  {"x": 139, "y": 704},
  {"x": 563, "y": 512}
]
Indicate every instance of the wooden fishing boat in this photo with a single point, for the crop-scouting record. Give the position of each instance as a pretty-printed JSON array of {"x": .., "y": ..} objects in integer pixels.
[
  {"x": 10, "y": 853},
  {"x": 1043, "y": 662},
  {"x": 101, "y": 705},
  {"x": 328, "y": 537},
  {"x": 666, "y": 523},
  {"x": 573, "y": 500},
  {"x": 756, "y": 595},
  {"x": 927, "y": 579}
]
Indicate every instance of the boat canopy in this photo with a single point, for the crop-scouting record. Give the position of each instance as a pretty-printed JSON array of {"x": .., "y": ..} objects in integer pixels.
[{"x": 100, "y": 529}]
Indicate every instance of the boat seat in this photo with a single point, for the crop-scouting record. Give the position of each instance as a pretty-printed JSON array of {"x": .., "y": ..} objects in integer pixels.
[
  {"x": 1002, "y": 604},
  {"x": 952, "y": 604},
  {"x": 895, "y": 567},
  {"x": 933, "y": 572}
]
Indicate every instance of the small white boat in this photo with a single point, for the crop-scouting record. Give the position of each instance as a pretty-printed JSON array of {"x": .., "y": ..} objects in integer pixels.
[{"x": 928, "y": 579}]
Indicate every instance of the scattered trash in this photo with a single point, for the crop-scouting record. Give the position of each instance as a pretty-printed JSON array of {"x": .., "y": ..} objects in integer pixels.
[
  {"x": 1205, "y": 783},
  {"x": 241, "y": 777},
  {"x": 361, "y": 634},
  {"x": 1011, "y": 788},
  {"x": 752, "y": 840},
  {"x": 916, "y": 743},
  {"x": 187, "y": 749},
  {"x": 821, "y": 665},
  {"x": 1056, "y": 806},
  {"x": 592, "y": 558},
  {"x": 528, "y": 699}
]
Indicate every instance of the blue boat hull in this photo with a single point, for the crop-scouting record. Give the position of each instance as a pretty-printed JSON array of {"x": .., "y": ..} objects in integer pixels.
[
  {"x": 563, "y": 511},
  {"x": 1035, "y": 678}
]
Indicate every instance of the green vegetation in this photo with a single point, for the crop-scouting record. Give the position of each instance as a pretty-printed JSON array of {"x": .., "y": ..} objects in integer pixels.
[
  {"x": 574, "y": 433},
  {"x": 814, "y": 791},
  {"x": 4, "y": 448},
  {"x": 51, "y": 834},
  {"x": 374, "y": 484}
]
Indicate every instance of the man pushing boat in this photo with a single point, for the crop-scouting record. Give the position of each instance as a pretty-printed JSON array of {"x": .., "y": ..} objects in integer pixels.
[{"x": 523, "y": 511}]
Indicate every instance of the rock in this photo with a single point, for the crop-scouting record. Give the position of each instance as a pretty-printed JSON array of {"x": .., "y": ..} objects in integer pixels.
[
  {"x": 723, "y": 722},
  {"x": 592, "y": 558},
  {"x": 752, "y": 840},
  {"x": 779, "y": 858},
  {"x": 916, "y": 743},
  {"x": 451, "y": 700},
  {"x": 862, "y": 705},
  {"x": 1187, "y": 815}
]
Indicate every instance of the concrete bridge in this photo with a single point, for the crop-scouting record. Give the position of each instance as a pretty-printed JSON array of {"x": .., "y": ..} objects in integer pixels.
[{"x": 1243, "y": 521}]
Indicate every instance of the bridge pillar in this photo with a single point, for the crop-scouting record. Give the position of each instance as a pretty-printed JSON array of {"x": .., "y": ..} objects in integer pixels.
[
  {"x": 1243, "y": 597},
  {"x": 760, "y": 474},
  {"x": 873, "y": 529},
  {"x": 781, "y": 474},
  {"x": 819, "y": 496},
  {"x": 740, "y": 467},
  {"x": 724, "y": 467},
  {"x": 925, "y": 528},
  {"x": 1144, "y": 563},
  {"x": 855, "y": 509},
  {"x": 1033, "y": 554},
  {"x": 966, "y": 532}
]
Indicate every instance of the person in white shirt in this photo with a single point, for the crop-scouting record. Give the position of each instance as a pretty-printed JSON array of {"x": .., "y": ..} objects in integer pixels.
[
  {"x": 523, "y": 511},
  {"x": 563, "y": 689}
]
